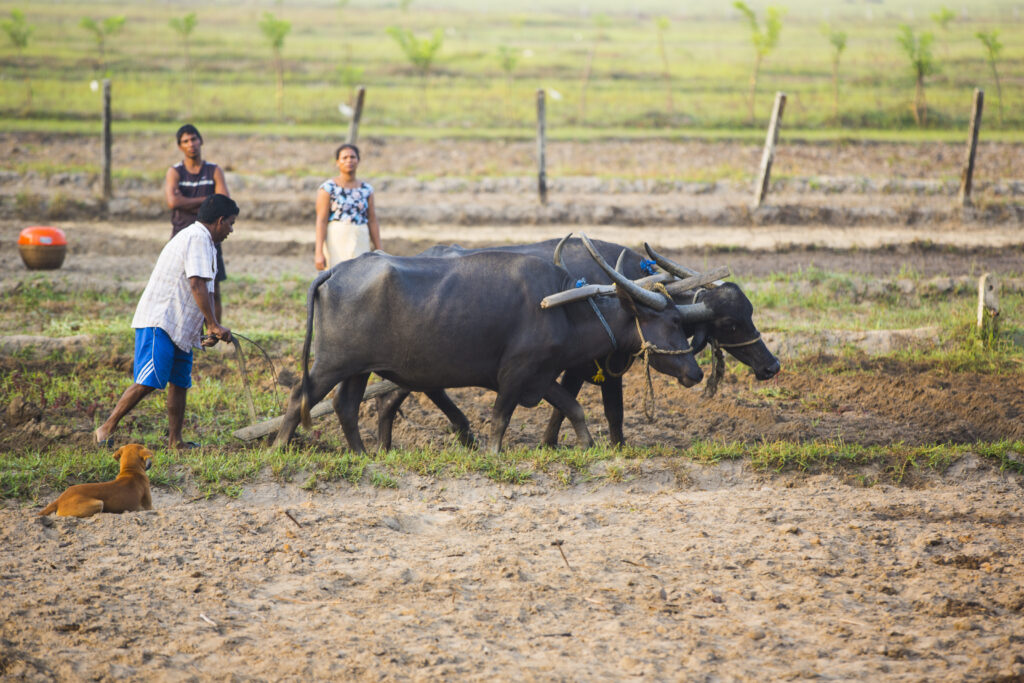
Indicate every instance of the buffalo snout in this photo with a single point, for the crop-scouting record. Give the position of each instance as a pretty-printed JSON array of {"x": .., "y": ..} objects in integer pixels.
[
  {"x": 768, "y": 371},
  {"x": 692, "y": 378}
]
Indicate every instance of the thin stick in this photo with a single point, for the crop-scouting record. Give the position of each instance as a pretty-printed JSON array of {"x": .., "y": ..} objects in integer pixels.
[
  {"x": 310, "y": 602},
  {"x": 558, "y": 544},
  {"x": 636, "y": 564},
  {"x": 293, "y": 519}
]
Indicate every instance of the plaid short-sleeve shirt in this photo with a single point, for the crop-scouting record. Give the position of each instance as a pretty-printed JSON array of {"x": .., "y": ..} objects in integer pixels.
[{"x": 167, "y": 301}]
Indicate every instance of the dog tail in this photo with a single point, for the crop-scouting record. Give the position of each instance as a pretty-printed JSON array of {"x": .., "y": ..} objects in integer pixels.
[{"x": 49, "y": 509}]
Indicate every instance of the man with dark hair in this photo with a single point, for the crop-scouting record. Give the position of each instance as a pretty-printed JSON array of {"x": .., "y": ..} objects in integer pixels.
[
  {"x": 169, "y": 318},
  {"x": 187, "y": 184}
]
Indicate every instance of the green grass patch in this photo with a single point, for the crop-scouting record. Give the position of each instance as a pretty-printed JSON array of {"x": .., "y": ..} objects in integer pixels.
[
  {"x": 330, "y": 49},
  {"x": 30, "y": 475}
]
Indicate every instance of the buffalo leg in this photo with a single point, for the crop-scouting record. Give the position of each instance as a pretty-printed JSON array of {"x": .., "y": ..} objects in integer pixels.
[
  {"x": 387, "y": 409},
  {"x": 460, "y": 423},
  {"x": 293, "y": 413},
  {"x": 504, "y": 405},
  {"x": 611, "y": 397},
  {"x": 346, "y": 406},
  {"x": 557, "y": 396},
  {"x": 571, "y": 382}
]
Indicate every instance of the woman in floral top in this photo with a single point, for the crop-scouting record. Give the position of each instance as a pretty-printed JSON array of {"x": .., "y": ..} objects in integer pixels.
[{"x": 346, "y": 222}]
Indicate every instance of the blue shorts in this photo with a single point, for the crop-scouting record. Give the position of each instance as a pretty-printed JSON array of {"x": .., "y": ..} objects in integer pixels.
[{"x": 158, "y": 360}]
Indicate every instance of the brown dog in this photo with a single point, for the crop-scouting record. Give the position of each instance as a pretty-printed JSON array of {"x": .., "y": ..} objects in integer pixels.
[{"x": 128, "y": 492}]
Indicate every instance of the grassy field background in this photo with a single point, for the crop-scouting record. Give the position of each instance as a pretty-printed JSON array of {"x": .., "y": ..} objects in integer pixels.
[{"x": 332, "y": 47}]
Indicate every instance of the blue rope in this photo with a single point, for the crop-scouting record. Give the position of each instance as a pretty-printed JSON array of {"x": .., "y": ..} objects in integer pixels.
[
  {"x": 647, "y": 266},
  {"x": 582, "y": 281}
]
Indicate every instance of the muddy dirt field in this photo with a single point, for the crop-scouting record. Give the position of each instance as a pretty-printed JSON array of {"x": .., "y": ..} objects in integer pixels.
[{"x": 671, "y": 571}]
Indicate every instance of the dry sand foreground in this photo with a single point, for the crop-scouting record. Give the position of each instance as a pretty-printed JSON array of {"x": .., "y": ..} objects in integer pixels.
[{"x": 682, "y": 572}]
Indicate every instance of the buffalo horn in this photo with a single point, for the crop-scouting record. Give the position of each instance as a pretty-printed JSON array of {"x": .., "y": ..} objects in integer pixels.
[
  {"x": 618, "y": 262},
  {"x": 558, "y": 251},
  {"x": 635, "y": 291},
  {"x": 695, "y": 313},
  {"x": 676, "y": 269}
]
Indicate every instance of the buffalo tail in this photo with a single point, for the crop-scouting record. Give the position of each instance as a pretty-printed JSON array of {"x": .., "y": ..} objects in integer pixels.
[{"x": 307, "y": 421}]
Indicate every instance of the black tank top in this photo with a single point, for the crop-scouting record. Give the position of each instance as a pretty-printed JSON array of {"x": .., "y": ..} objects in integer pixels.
[{"x": 191, "y": 185}]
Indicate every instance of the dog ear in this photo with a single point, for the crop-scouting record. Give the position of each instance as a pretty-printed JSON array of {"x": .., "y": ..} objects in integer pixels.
[{"x": 117, "y": 453}]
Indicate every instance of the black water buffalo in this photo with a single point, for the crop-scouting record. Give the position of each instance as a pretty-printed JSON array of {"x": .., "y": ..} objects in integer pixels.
[
  {"x": 728, "y": 323},
  {"x": 429, "y": 323}
]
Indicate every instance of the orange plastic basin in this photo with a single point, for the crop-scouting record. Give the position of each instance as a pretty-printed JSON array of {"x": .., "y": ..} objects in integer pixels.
[
  {"x": 42, "y": 247},
  {"x": 43, "y": 236}
]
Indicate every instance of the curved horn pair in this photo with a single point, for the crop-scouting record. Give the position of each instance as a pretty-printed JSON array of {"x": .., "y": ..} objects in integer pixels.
[{"x": 635, "y": 291}]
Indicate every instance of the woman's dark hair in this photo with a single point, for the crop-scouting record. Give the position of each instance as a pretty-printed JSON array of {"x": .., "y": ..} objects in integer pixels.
[
  {"x": 347, "y": 145},
  {"x": 216, "y": 206},
  {"x": 188, "y": 128}
]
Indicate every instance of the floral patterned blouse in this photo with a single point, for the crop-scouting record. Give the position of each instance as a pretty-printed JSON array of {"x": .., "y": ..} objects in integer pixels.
[{"x": 351, "y": 204}]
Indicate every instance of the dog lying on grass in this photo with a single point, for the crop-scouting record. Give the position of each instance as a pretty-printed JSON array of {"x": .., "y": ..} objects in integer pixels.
[{"x": 128, "y": 492}]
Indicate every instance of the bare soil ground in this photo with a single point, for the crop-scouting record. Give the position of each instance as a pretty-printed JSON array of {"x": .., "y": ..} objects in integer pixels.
[
  {"x": 679, "y": 571},
  {"x": 695, "y": 573}
]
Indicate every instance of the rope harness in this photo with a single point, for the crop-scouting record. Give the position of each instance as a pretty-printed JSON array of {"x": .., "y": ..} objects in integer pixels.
[
  {"x": 718, "y": 357},
  {"x": 739, "y": 344},
  {"x": 242, "y": 368},
  {"x": 717, "y": 369},
  {"x": 646, "y": 349}
]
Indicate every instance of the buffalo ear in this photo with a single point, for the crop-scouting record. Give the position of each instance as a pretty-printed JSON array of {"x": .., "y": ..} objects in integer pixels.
[{"x": 699, "y": 340}]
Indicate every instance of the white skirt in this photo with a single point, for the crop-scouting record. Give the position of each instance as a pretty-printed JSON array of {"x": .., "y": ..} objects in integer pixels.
[{"x": 345, "y": 240}]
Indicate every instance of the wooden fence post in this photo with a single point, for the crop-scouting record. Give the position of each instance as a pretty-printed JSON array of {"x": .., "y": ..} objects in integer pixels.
[
  {"x": 353, "y": 126},
  {"x": 988, "y": 305},
  {"x": 542, "y": 180},
  {"x": 768, "y": 156},
  {"x": 967, "y": 175},
  {"x": 108, "y": 190}
]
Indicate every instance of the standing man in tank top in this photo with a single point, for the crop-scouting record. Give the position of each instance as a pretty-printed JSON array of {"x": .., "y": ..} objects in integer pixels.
[{"x": 188, "y": 183}]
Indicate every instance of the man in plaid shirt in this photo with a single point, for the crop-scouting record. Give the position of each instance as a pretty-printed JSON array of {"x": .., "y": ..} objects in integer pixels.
[{"x": 169, "y": 318}]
